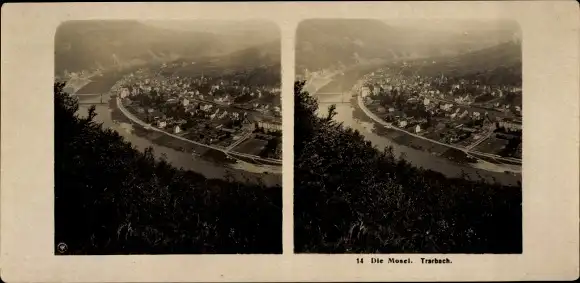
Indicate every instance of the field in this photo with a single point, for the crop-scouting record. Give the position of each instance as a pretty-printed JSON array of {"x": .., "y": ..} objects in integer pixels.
[
  {"x": 417, "y": 143},
  {"x": 432, "y": 134},
  {"x": 251, "y": 146},
  {"x": 467, "y": 141},
  {"x": 492, "y": 145}
]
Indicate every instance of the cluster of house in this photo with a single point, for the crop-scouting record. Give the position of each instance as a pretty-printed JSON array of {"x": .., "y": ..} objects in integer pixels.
[
  {"x": 216, "y": 114},
  {"x": 433, "y": 108},
  {"x": 213, "y": 122},
  {"x": 169, "y": 123},
  {"x": 441, "y": 88},
  {"x": 212, "y": 115},
  {"x": 219, "y": 91},
  {"x": 455, "y": 113},
  {"x": 412, "y": 123}
]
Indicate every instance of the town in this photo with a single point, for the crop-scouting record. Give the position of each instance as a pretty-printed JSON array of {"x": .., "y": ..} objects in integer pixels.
[
  {"x": 220, "y": 111},
  {"x": 467, "y": 113}
]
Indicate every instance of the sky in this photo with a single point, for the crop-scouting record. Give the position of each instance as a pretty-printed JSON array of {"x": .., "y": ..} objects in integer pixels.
[
  {"x": 441, "y": 25},
  {"x": 455, "y": 26},
  {"x": 215, "y": 25}
]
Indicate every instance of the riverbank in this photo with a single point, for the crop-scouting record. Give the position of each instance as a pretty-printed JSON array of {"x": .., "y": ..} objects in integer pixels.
[
  {"x": 210, "y": 163},
  {"x": 491, "y": 162},
  {"x": 453, "y": 163},
  {"x": 180, "y": 154},
  {"x": 267, "y": 164}
]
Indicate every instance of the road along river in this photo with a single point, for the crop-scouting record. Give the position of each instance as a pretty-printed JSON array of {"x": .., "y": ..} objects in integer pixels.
[
  {"x": 275, "y": 166},
  {"x": 110, "y": 116},
  {"x": 338, "y": 92}
]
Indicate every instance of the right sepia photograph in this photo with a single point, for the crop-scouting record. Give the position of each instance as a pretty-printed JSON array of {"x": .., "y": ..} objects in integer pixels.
[{"x": 408, "y": 136}]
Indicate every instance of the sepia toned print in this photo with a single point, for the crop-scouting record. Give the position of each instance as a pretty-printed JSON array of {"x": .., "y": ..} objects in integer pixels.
[
  {"x": 168, "y": 137},
  {"x": 408, "y": 136},
  {"x": 84, "y": 205}
]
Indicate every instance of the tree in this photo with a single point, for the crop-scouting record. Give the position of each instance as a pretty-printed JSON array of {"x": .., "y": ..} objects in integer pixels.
[
  {"x": 350, "y": 197},
  {"x": 304, "y": 113},
  {"x": 111, "y": 198}
]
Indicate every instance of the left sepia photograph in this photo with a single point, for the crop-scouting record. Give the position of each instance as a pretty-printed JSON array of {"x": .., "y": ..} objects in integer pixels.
[{"x": 168, "y": 137}]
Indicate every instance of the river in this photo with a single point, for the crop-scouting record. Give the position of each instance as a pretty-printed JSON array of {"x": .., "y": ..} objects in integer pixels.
[
  {"x": 337, "y": 92},
  {"x": 214, "y": 170}
]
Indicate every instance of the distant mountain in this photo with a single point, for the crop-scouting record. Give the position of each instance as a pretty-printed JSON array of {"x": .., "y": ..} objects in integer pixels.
[
  {"x": 264, "y": 54},
  {"x": 267, "y": 54},
  {"x": 231, "y": 32},
  {"x": 499, "y": 64},
  {"x": 328, "y": 43},
  {"x": 82, "y": 45},
  {"x": 256, "y": 65}
]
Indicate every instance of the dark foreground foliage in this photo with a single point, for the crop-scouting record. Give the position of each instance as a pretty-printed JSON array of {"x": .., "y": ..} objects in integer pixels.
[
  {"x": 350, "y": 197},
  {"x": 113, "y": 199}
]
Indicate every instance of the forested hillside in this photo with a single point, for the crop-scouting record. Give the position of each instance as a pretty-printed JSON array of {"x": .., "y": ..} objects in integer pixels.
[
  {"x": 86, "y": 45},
  {"x": 330, "y": 43},
  {"x": 257, "y": 65},
  {"x": 351, "y": 197},
  {"x": 112, "y": 199},
  {"x": 497, "y": 65},
  {"x": 326, "y": 43}
]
